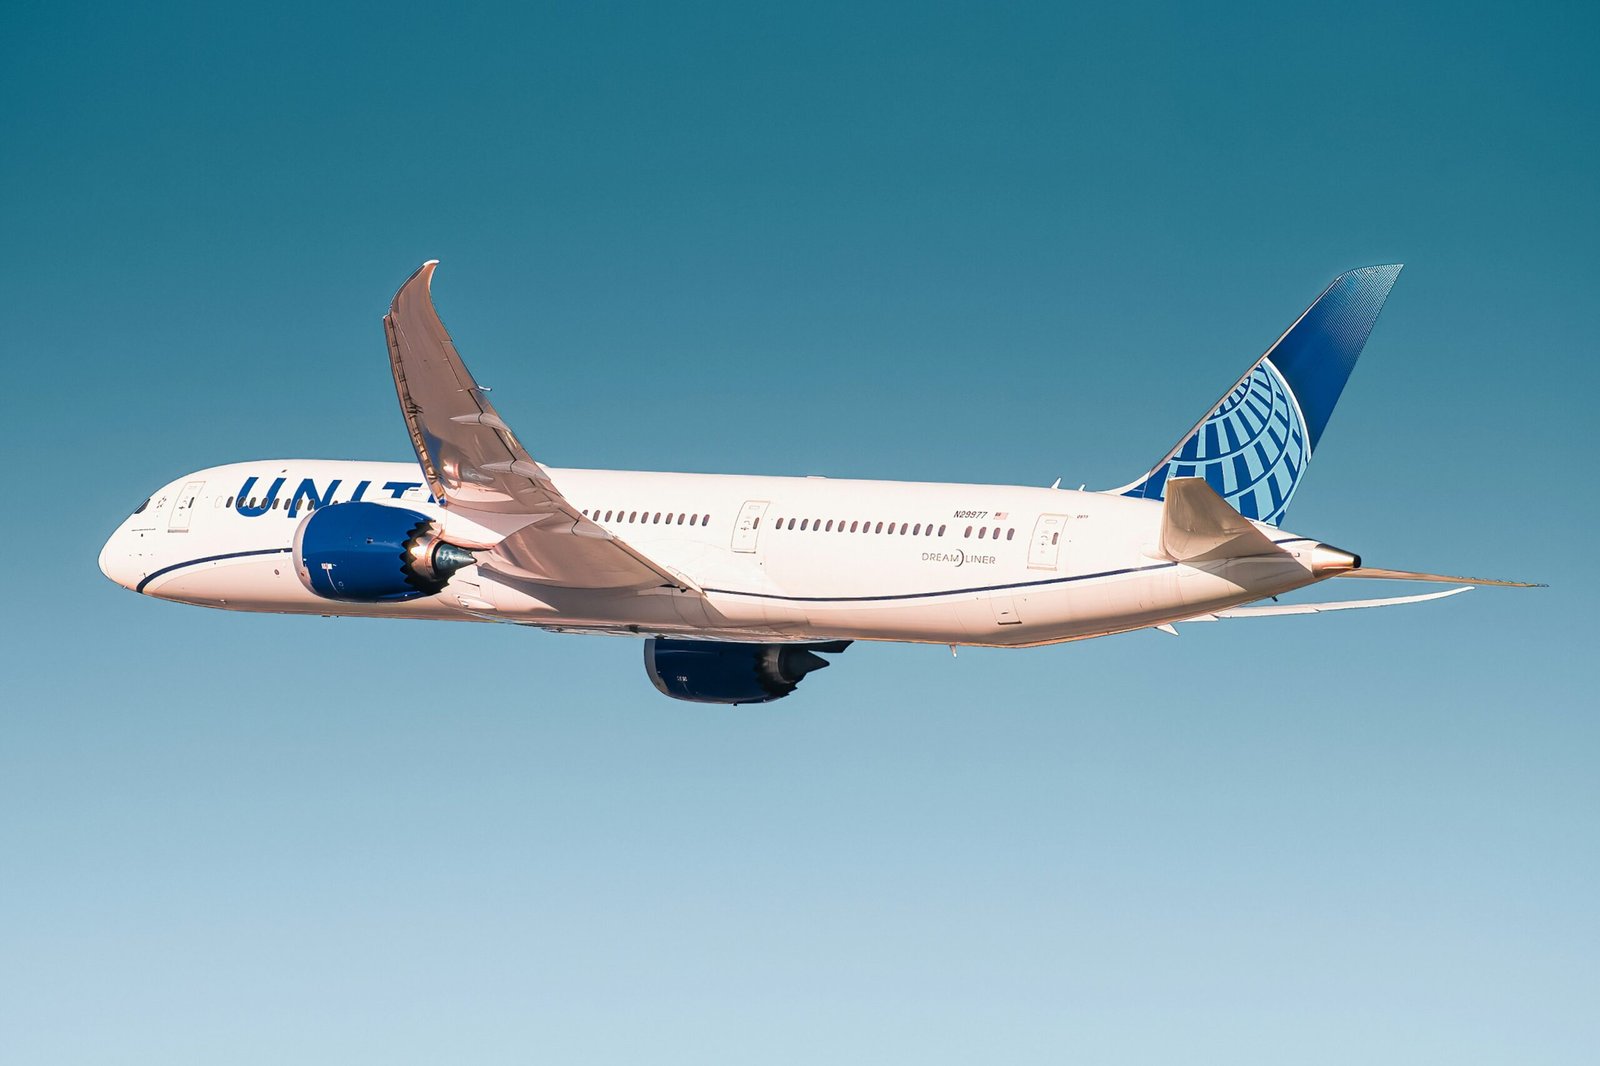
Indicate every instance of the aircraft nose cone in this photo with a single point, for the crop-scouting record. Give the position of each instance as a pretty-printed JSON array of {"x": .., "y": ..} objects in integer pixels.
[{"x": 116, "y": 564}]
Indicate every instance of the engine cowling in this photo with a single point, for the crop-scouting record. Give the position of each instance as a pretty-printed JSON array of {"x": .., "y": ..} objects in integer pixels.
[
  {"x": 713, "y": 671},
  {"x": 369, "y": 553}
]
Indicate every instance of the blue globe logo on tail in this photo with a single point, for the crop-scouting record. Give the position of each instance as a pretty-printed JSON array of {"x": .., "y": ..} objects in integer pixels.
[
  {"x": 1252, "y": 449},
  {"x": 1254, "y": 446}
]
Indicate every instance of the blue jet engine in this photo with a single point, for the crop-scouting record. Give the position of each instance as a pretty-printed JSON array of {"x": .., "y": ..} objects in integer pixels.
[
  {"x": 714, "y": 671},
  {"x": 370, "y": 553}
]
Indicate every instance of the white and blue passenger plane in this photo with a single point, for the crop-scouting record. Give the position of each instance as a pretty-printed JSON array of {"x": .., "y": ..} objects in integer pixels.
[{"x": 740, "y": 584}]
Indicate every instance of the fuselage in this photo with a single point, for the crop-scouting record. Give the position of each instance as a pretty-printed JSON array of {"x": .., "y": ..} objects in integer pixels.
[{"x": 776, "y": 558}]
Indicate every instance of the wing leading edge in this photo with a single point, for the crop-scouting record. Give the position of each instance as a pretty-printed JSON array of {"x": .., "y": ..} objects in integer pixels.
[{"x": 474, "y": 463}]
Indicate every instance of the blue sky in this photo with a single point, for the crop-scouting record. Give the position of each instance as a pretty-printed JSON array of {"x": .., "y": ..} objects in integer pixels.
[{"x": 919, "y": 242}]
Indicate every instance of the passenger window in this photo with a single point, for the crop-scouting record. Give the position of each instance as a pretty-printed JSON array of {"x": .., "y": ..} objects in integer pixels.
[
  {"x": 982, "y": 530},
  {"x": 791, "y": 523},
  {"x": 903, "y": 528},
  {"x": 633, "y": 516},
  {"x": 1010, "y": 533},
  {"x": 804, "y": 522},
  {"x": 941, "y": 530},
  {"x": 830, "y": 525},
  {"x": 916, "y": 530},
  {"x": 228, "y": 504},
  {"x": 968, "y": 533},
  {"x": 705, "y": 520},
  {"x": 694, "y": 520},
  {"x": 681, "y": 517},
  {"x": 878, "y": 528}
]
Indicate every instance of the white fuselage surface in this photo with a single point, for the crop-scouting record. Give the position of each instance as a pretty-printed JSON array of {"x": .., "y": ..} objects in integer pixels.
[{"x": 776, "y": 558}]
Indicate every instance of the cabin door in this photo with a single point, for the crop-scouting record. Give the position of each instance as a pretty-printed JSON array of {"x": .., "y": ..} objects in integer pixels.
[
  {"x": 748, "y": 527},
  {"x": 1045, "y": 551},
  {"x": 183, "y": 509}
]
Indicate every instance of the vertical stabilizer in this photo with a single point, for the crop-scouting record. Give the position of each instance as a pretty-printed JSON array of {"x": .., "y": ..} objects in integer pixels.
[{"x": 1253, "y": 447}]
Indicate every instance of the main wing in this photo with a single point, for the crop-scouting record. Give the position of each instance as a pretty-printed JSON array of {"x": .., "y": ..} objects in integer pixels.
[
  {"x": 476, "y": 466},
  {"x": 1276, "y": 609}
]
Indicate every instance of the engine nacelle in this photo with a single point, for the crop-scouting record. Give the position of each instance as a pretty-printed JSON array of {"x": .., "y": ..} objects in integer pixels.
[
  {"x": 712, "y": 671},
  {"x": 369, "y": 553}
]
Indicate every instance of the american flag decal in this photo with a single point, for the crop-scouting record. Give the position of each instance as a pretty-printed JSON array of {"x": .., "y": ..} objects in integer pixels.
[{"x": 999, "y": 514}]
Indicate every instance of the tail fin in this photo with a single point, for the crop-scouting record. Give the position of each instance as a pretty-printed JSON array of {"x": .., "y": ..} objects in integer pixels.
[{"x": 1254, "y": 445}]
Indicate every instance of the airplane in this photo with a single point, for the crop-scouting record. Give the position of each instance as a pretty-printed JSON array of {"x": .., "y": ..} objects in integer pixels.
[{"x": 740, "y": 585}]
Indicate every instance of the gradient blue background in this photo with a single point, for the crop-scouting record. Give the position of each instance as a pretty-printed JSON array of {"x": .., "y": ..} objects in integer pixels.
[{"x": 950, "y": 243}]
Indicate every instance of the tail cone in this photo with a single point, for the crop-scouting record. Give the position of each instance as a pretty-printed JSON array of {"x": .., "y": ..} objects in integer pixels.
[{"x": 1328, "y": 561}]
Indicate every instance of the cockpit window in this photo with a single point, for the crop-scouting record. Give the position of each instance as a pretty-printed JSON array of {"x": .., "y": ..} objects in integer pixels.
[{"x": 140, "y": 509}]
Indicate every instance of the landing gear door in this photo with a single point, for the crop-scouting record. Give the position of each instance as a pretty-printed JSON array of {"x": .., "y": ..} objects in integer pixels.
[
  {"x": 748, "y": 527},
  {"x": 1045, "y": 551},
  {"x": 183, "y": 509}
]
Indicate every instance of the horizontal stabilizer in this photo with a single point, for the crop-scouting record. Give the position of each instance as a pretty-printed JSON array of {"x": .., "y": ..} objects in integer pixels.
[
  {"x": 1410, "y": 575},
  {"x": 1197, "y": 525}
]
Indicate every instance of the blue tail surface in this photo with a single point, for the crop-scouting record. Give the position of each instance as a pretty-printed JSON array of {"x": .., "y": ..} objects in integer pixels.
[{"x": 1255, "y": 444}]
